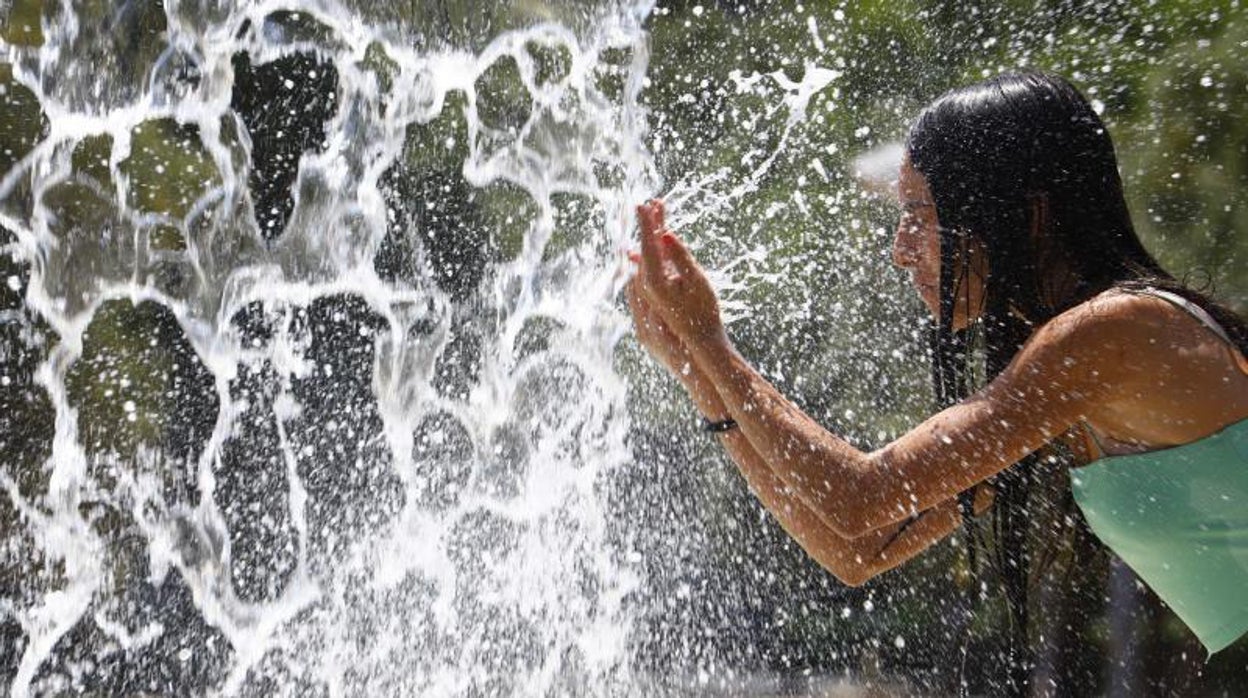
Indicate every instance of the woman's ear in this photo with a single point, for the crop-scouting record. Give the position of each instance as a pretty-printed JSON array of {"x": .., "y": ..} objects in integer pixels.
[
  {"x": 1055, "y": 279},
  {"x": 1038, "y": 215}
]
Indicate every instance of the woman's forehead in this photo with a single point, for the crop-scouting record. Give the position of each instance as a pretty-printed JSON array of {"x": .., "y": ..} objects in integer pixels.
[{"x": 912, "y": 186}]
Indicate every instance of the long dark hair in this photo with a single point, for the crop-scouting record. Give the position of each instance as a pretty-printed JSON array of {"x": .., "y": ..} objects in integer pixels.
[{"x": 1022, "y": 169}]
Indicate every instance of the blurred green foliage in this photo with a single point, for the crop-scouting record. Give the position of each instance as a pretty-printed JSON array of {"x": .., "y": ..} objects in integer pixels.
[
  {"x": 22, "y": 123},
  {"x": 819, "y": 307},
  {"x": 382, "y": 65},
  {"x": 553, "y": 62},
  {"x": 139, "y": 386},
  {"x": 503, "y": 102}
]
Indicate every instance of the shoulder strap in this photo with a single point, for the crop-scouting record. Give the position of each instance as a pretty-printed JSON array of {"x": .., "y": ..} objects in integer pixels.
[
  {"x": 1187, "y": 306},
  {"x": 1200, "y": 314}
]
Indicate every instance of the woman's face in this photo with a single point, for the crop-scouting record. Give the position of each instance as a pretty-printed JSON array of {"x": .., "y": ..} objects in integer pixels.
[{"x": 916, "y": 249}]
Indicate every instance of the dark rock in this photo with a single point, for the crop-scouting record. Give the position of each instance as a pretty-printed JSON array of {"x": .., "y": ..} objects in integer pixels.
[{"x": 285, "y": 105}]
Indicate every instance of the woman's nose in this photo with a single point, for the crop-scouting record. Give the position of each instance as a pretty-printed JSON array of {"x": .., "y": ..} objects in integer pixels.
[{"x": 905, "y": 254}]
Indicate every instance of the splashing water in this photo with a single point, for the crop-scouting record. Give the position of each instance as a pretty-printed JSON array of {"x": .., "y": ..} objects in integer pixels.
[
  {"x": 325, "y": 323},
  {"x": 311, "y": 379}
]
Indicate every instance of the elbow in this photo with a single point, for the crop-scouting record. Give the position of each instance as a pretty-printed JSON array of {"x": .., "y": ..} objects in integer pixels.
[
  {"x": 854, "y": 574},
  {"x": 864, "y": 570},
  {"x": 855, "y": 579},
  {"x": 851, "y": 565}
]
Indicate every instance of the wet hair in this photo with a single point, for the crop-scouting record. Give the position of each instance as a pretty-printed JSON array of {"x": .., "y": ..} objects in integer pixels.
[{"x": 1022, "y": 169}]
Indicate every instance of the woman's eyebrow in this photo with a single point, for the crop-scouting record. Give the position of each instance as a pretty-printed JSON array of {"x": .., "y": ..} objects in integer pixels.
[{"x": 912, "y": 204}]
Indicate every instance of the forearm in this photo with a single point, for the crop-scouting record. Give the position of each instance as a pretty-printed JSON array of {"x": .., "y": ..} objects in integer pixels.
[
  {"x": 829, "y": 475},
  {"x": 794, "y": 515},
  {"x": 853, "y": 561}
]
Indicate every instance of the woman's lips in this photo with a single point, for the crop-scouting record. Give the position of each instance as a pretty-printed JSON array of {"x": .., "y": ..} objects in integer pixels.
[{"x": 927, "y": 292}]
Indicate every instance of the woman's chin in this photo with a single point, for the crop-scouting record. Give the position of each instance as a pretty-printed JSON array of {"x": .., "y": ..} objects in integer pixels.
[
  {"x": 960, "y": 321},
  {"x": 932, "y": 305}
]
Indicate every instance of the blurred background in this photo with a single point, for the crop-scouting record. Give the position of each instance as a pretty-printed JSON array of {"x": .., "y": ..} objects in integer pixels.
[
  {"x": 825, "y": 316},
  {"x": 300, "y": 294}
]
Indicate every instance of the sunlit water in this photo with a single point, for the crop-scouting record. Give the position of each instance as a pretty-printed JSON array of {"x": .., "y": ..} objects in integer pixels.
[
  {"x": 321, "y": 319},
  {"x": 312, "y": 351},
  {"x": 319, "y": 426}
]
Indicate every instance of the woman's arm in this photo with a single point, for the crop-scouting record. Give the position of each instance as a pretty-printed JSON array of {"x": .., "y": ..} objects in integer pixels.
[
  {"x": 1039, "y": 396},
  {"x": 1067, "y": 366},
  {"x": 853, "y": 561}
]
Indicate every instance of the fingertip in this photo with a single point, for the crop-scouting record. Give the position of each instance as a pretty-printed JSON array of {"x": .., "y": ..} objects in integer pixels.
[{"x": 645, "y": 215}]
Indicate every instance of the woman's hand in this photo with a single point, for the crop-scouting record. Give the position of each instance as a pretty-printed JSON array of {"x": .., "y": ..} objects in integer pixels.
[
  {"x": 673, "y": 284},
  {"x": 668, "y": 349},
  {"x": 654, "y": 334}
]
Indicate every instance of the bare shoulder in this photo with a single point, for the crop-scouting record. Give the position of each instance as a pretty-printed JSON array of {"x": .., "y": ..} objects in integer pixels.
[
  {"x": 1125, "y": 337},
  {"x": 1119, "y": 320},
  {"x": 1109, "y": 338},
  {"x": 1154, "y": 373}
]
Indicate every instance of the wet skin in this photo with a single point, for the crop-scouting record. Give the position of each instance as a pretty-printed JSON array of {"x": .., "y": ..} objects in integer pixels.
[{"x": 1135, "y": 368}]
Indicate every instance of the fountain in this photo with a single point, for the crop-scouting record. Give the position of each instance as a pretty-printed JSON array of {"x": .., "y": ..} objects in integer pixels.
[
  {"x": 297, "y": 310},
  {"x": 316, "y": 379}
]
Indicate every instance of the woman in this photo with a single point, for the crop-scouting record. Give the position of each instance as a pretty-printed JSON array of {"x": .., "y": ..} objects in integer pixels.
[{"x": 1017, "y": 237}]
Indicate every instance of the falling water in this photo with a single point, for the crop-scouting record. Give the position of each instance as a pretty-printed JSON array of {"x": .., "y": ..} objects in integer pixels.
[
  {"x": 315, "y": 379},
  {"x": 325, "y": 319}
]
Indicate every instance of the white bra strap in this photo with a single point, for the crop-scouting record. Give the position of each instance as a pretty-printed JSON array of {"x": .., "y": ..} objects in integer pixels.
[{"x": 1189, "y": 307}]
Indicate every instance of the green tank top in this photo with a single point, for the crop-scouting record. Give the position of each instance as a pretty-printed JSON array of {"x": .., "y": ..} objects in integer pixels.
[{"x": 1179, "y": 518}]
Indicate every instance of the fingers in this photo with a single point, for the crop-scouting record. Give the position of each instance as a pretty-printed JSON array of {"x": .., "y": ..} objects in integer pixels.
[
  {"x": 666, "y": 266},
  {"x": 679, "y": 255},
  {"x": 658, "y": 213},
  {"x": 650, "y": 217}
]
